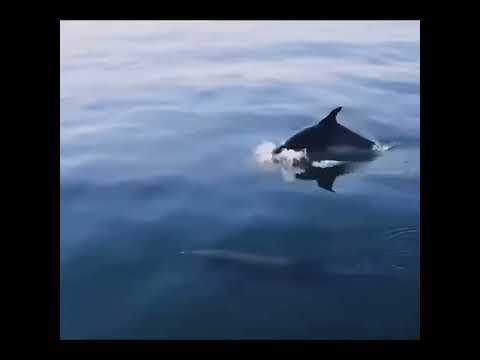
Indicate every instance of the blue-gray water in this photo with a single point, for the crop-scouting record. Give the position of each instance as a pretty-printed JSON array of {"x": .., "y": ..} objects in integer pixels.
[{"x": 160, "y": 125}]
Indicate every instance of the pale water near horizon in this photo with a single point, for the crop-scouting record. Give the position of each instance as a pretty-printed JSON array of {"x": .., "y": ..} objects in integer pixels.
[{"x": 166, "y": 133}]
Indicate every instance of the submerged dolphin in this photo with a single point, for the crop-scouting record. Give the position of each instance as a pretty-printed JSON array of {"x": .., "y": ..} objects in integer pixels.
[
  {"x": 280, "y": 267},
  {"x": 240, "y": 257},
  {"x": 328, "y": 140}
]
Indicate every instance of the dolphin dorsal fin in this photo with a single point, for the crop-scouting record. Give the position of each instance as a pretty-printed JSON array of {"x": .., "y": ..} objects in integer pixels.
[{"x": 332, "y": 117}]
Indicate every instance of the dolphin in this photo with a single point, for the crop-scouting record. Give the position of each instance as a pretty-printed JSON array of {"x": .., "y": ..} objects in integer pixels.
[
  {"x": 220, "y": 255},
  {"x": 279, "y": 267},
  {"x": 329, "y": 140},
  {"x": 258, "y": 288}
]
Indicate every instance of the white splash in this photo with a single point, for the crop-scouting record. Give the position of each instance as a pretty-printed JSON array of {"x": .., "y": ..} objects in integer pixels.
[
  {"x": 288, "y": 173},
  {"x": 263, "y": 153},
  {"x": 382, "y": 147},
  {"x": 285, "y": 161},
  {"x": 326, "y": 163},
  {"x": 290, "y": 157}
]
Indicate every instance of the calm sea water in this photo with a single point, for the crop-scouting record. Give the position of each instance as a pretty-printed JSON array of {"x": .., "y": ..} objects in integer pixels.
[{"x": 161, "y": 126}]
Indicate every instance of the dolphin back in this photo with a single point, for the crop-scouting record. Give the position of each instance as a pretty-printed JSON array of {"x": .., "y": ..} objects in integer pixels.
[{"x": 327, "y": 135}]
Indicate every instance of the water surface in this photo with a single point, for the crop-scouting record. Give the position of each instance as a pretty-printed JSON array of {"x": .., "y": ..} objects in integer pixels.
[{"x": 161, "y": 123}]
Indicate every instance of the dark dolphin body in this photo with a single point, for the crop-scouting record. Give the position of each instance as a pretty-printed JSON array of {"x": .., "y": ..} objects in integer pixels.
[
  {"x": 328, "y": 140},
  {"x": 273, "y": 268}
]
